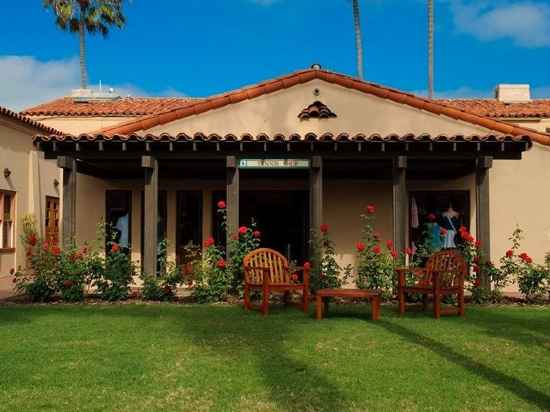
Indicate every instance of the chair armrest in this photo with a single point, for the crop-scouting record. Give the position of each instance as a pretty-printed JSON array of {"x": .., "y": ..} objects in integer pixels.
[{"x": 403, "y": 270}]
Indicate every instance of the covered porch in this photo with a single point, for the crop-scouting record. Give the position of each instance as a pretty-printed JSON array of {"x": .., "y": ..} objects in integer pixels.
[{"x": 174, "y": 182}]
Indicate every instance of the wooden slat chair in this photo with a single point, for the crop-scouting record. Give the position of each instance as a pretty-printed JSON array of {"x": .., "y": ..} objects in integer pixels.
[
  {"x": 268, "y": 270},
  {"x": 443, "y": 275}
]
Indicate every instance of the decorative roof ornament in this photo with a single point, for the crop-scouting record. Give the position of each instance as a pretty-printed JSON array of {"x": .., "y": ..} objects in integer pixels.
[{"x": 316, "y": 110}]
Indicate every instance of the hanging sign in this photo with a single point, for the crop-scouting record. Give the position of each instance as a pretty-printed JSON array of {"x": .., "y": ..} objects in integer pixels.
[{"x": 274, "y": 164}]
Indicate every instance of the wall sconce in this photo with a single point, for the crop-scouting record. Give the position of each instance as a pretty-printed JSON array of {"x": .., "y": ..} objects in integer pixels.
[
  {"x": 55, "y": 183},
  {"x": 7, "y": 172}
]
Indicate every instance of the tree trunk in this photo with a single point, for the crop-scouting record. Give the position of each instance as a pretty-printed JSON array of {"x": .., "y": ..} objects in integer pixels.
[
  {"x": 358, "y": 38},
  {"x": 430, "y": 49},
  {"x": 83, "y": 69}
]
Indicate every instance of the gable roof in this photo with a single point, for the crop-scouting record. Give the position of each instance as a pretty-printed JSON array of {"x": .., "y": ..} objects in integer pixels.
[
  {"x": 538, "y": 108},
  {"x": 25, "y": 121},
  {"x": 124, "y": 106},
  {"x": 285, "y": 82}
]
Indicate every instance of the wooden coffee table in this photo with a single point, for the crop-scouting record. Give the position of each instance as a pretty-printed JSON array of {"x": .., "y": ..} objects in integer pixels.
[{"x": 373, "y": 297}]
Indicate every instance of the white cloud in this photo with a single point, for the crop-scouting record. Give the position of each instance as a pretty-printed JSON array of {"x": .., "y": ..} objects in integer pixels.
[
  {"x": 526, "y": 23},
  {"x": 26, "y": 81}
]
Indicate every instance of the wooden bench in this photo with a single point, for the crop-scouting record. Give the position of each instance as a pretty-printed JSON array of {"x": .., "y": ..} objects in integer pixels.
[{"x": 373, "y": 297}]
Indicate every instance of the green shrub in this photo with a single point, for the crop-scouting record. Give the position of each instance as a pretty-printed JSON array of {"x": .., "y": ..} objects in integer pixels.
[
  {"x": 113, "y": 280},
  {"x": 375, "y": 263},
  {"x": 326, "y": 273}
]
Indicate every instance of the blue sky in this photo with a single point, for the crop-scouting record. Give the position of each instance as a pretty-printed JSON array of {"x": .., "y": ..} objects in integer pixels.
[{"x": 198, "y": 47}]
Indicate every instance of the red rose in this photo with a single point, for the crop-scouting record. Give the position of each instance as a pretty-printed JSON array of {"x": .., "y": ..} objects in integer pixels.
[
  {"x": 443, "y": 231},
  {"x": 371, "y": 209},
  {"x": 360, "y": 246},
  {"x": 243, "y": 230},
  {"x": 408, "y": 251},
  {"x": 476, "y": 259},
  {"x": 115, "y": 248},
  {"x": 324, "y": 228},
  {"x": 389, "y": 244},
  {"x": 257, "y": 234},
  {"x": 32, "y": 239},
  {"x": 220, "y": 263},
  {"x": 307, "y": 265},
  {"x": 46, "y": 246},
  {"x": 68, "y": 283},
  {"x": 528, "y": 260},
  {"x": 462, "y": 229},
  {"x": 56, "y": 251},
  {"x": 476, "y": 269},
  {"x": 509, "y": 253},
  {"x": 14, "y": 280},
  {"x": 221, "y": 204},
  {"x": 394, "y": 253},
  {"x": 478, "y": 244},
  {"x": 523, "y": 255},
  {"x": 12, "y": 271},
  {"x": 477, "y": 282},
  {"x": 377, "y": 250},
  {"x": 431, "y": 217},
  {"x": 294, "y": 277},
  {"x": 209, "y": 242}
]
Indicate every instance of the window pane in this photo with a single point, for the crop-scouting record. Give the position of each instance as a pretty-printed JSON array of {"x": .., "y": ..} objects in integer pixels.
[
  {"x": 118, "y": 216},
  {"x": 188, "y": 220}
]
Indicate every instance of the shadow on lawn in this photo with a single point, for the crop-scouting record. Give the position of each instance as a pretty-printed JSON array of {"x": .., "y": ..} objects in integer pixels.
[
  {"x": 292, "y": 384},
  {"x": 520, "y": 330},
  {"x": 511, "y": 384}
]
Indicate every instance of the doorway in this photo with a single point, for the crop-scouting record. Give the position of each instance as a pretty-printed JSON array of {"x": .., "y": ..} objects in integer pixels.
[{"x": 282, "y": 217}]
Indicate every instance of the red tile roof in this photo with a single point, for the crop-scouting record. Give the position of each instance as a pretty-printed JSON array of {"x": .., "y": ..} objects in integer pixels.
[
  {"x": 215, "y": 102},
  {"x": 27, "y": 121},
  {"x": 295, "y": 137},
  {"x": 496, "y": 109},
  {"x": 124, "y": 106},
  {"x": 316, "y": 110}
]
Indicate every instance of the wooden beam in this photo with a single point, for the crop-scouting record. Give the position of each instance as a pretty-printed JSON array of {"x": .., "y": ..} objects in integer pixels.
[
  {"x": 232, "y": 197},
  {"x": 483, "y": 213},
  {"x": 150, "y": 229},
  {"x": 400, "y": 202},
  {"x": 315, "y": 195},
  {"x": 68, "y": 226}
]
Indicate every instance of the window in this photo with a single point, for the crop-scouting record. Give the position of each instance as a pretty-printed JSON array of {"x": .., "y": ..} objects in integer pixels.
[
  {"x": 52, "y": 220},
  {"x": 118, "y": 216},
  {"x": 437, "y": 215},
  {"x": 7, "y": 206},
  {"x": 189, "y": 222}
]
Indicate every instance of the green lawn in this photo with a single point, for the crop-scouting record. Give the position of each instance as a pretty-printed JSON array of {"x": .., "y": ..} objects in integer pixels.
[{"x": 174, "y": 357}]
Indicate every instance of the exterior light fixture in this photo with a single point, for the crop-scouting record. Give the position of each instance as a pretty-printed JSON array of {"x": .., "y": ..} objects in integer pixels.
[
  {"x": 7, "y": 172},
  {"x": 55, "y": 183}
]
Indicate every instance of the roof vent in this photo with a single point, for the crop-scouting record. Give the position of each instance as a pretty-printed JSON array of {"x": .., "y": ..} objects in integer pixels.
[
  {"x": 90, "y": 95},
  {"x": 513, "y": 93},
  {"x": 316, "y": 66}
]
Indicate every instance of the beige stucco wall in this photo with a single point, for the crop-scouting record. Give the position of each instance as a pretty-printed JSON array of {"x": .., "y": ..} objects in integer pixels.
[
  {"x": 77, "y": 125},
  {"x": 357, "y": 113},
  {"x": 541, "y": 125},
  {"x": 32, "y": 179},
  {"x": 520, "y": 196}
]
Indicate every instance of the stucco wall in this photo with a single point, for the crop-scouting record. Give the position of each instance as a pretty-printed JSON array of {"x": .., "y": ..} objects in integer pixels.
[
  {"x": 76, "y": 125},
  {"x": 357, "y": 113},
  {"x": 32, "y": 179},
  {"x": 520, "y": 196}
]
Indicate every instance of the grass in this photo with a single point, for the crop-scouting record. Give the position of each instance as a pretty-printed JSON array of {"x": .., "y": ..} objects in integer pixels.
[{"x": 170, "y": 357}]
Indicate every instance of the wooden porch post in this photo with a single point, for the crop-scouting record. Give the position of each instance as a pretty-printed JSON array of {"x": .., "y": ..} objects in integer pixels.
[
  {"x": 315, "y": 195},
  {"x": 68, "y": 164},
  {"x": 150, "y": 229},
  {"x": 400, "y": 202},
  {"x": 232, "y": 197},
  {"x": 483, "y": 227}
]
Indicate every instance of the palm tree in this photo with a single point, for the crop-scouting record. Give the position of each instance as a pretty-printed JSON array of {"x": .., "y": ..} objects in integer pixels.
[
  {"x": 358, "y": 37},
  {"x": 86, "y": 16},
  {"x": 431, "y": 48}
]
